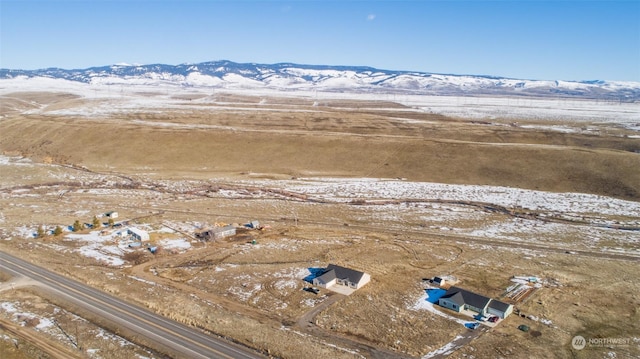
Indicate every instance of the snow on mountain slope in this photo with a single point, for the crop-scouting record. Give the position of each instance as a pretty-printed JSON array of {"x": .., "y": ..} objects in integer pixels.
[
  {"x": 198, "y": 79},
  {"x": 286, "y": 76}
]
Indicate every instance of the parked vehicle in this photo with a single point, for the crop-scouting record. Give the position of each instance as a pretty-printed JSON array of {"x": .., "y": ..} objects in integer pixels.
[
  {"x": 472, "y": 326},
  {"x": 524, "y": 328},
  {"x": 312, "y": 290}
]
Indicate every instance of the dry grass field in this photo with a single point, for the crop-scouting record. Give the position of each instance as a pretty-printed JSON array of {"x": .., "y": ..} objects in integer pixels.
[
  {"x": 337, "y": 139},
  {"x": 397, "y": 192}
]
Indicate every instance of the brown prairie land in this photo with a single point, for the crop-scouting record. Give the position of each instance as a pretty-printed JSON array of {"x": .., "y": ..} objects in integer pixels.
[{"x": 341, "y": 181}]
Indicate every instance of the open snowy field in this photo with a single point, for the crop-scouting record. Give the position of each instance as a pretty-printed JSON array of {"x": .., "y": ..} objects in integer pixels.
[
  {"x": 380, "y": 183},
  {"x": 110, "y": 99}
]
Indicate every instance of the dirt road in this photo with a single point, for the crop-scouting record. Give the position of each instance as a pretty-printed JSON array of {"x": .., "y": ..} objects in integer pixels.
[{"x": 52, "y": 348}]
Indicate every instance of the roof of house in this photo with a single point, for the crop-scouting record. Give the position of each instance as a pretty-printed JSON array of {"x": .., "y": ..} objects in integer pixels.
[
  {"x": 327, "y": 276},
  {"x": 138, "y": 231},
  {"x": 334, "y": 271},
  {"x": 455, "y": 297},
  {"x": 462, "y": 296},
  {"x": 501, "y": 306}
]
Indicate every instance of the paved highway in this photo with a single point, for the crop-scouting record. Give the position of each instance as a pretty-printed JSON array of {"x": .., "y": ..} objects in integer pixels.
[{"x": 182, "y": 341}]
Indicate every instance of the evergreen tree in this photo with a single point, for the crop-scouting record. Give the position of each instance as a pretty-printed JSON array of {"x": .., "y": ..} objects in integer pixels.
[
  {"x": 111, "y": 222},
  {"x": 96, "y": 222},
  {"x": 41, "y": 232},
  {"x": 57, "y": 231},
  {"x": 77, "y": 226}
]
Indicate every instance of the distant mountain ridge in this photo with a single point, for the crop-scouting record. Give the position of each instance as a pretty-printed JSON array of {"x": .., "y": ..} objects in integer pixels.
[{"x": 357, "y": 79}]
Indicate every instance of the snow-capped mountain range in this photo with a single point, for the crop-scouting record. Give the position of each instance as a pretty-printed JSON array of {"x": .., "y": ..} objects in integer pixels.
[{"x": 291, "y": 77}]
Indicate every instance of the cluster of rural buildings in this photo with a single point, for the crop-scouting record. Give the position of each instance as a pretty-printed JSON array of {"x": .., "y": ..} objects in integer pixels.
[{"x": 338, "y": 278}]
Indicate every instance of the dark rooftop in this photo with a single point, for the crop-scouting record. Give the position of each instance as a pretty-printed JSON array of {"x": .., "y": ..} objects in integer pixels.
[
  {"x": 335, "y": 271},
  {"x": 496, "y": 304},
  {"x": 469, "y": 298}
]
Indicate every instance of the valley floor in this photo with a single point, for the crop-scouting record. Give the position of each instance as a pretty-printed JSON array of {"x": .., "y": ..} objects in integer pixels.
[{"x": 401, "y": 194}]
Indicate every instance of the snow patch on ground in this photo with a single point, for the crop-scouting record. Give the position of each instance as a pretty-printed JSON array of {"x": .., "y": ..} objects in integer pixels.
[
  {"x": 15, "y": 161},
  {"x": 93, "y": 246},
  {"x": 44, "y": 323},
  {"x": 142, "y": 280},
  {"x": 179, "y": 243},
  {"x": 445, "y": 350},
  {"x": 285, "y": 284},
  {"x": 429, "y": 300},
  {"x": 24, "y": 232},
  {"x": 347, "y": 189},
  {"x": 8, "y": 307},
  {"x": 245, "y": 292}
]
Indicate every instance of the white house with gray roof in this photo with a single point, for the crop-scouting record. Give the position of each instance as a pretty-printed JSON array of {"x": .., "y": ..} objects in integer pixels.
[
  {"x": 459, "y": 299},
  {"x": 337, "y": 275}
]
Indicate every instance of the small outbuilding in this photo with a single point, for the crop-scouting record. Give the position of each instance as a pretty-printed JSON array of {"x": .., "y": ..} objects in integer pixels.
[
  {"x": 439, "y": 281},
  {"x": 111, "y": 214}
]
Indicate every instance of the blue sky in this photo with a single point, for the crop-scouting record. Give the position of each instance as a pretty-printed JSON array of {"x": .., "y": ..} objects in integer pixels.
[{"x": 564, "y": 40}]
